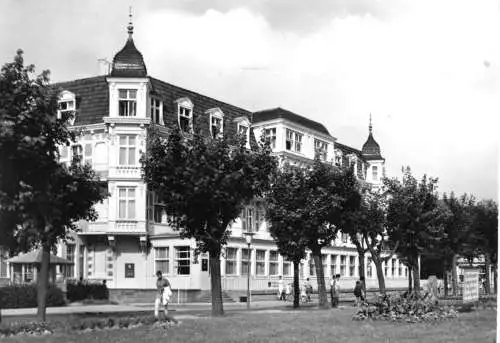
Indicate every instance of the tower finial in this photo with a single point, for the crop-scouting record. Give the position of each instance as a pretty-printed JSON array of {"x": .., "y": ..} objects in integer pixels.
[
  {"x": 130, "y": 27},
  {"x": 370, "y": 126}
]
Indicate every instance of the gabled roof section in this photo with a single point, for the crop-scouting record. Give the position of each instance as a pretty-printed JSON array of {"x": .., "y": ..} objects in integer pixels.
[
  {"x": 276, "y": 113},
  {"x": 92, "y": 98},
  {"x": 348, "y": 150}
]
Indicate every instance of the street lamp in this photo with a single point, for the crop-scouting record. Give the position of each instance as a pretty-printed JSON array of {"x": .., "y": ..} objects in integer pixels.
[{"x": 248, "y": 238}]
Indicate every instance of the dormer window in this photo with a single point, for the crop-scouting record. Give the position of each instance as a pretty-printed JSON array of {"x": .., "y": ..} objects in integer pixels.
[
  {"x": 185, "y": 113},
  {"x": 216, "y": 122},
  {"x": 156, "y": 111},
  {"x": 127, "y": 102},
  {"x": 321, "y": 148},
  {"x": 67, "y": 107},
  {"x": 270, "y": 136},
  {"x": 293, "y": 141},
  {"x": 338, "y": 158},
  {"x": 243, "y": 128}
]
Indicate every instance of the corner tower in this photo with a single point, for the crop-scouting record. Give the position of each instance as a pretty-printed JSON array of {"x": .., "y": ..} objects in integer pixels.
[{"x": 371, "y": 153}]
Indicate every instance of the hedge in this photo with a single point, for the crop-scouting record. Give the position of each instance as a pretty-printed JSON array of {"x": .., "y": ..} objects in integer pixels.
[
  {"x": 25, "y": 296},
  {"x": 78, "y": 290}
]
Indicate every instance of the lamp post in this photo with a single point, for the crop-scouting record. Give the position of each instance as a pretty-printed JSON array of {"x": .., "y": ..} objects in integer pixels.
[{"x": 248, "y": 238}]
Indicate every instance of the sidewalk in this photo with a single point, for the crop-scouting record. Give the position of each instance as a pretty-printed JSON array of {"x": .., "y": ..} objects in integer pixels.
[{"x": 143, "y": 307}]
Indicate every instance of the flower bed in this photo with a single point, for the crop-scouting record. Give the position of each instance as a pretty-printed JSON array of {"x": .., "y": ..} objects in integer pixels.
[{"x": 411, "y": 309}]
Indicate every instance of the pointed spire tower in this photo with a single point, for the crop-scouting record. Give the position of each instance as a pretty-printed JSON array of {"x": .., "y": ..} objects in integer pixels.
[
  {"x": 371, "y": 149},
  {"x": 128, "y": 62}
]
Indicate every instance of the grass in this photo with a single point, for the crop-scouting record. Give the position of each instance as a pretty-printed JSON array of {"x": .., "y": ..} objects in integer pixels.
[{"x": 292, "y": 326}]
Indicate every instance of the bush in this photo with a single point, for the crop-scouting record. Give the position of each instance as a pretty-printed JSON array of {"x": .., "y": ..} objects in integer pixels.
[
  {"x": 25, "y": 296},
  {"x": 77, "y": 291},
  {"x": 31, "y": 328}
]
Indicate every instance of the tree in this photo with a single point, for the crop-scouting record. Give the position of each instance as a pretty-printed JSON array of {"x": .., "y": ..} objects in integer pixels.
[
  {"x": 285, "y": 203},
  {"x": 325, "y": 193},
  {"x": 205, "y": 183},
  {"x": 485, "y": 227},
  {"x": 415, "y": 218},
  {"x": 40, "y": 199},
  {"x": 457, "y": 235}
]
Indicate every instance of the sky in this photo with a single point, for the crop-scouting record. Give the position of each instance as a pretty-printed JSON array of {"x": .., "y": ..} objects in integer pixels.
[{"x": 428, "y": 71}]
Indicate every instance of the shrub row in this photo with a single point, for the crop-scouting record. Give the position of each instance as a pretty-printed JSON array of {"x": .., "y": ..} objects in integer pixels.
[
  {"x": 87, "y": 324},
  {"x": 78, "y": 290},
  {"x": 25, "y": 296}
]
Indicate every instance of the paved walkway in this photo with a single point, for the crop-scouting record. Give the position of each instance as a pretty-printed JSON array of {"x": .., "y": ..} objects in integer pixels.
[{"x": 109, "y": 308}]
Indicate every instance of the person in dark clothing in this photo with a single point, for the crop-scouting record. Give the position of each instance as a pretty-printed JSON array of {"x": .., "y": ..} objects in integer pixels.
[{"x": 358, "y": 293}]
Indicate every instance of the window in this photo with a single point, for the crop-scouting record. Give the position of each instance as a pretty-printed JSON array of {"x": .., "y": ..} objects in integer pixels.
[
  {"x": 369, "y": 267},
  {"x": 287, "y": 268},
  {"x": 67, "y": 107},
  {"x": 352, "y": 265},
  {"x": 129, "y": 270},
  {"x": 77, "y": 152},
  {"x": 343, "y": 259},
  {"x": 70, "y": 256},
  {"x": 127, "y": 102},
  {"x": 245, "y": 256},
  {"x": 312, "y": 267},
  {"x": 231, "y": 261},
  {"x": 216, "y": 123},
  {"x": 162, "y": 261},
  {"x": 333, "y": 264},
  {"x": 393, "y": 267},
  {"x": 406, "y": 271},
  {"x": 127, "y": 150},
  {"x": 321, "y": 148},
  {"x": 386, "y": 268},
  {"x": 185, "y": 117},
  {"x": 81, "y": 260},
  {"x": 400, "y": 269},
  {"x": 375, "y": 173},
  {"x": 243, "y": 130},
  {"x": 345, "y": 237},
  {"x": 87, "y": 157},
  {"x": 126, "y": 203},
  {"x": 157, "y": 211},
  {"x": 338, "y": 157},
  {"x": 260, "y": 262},
  {"x": 183, "y": 260},
  {"x": 28, "y": 273},
  {"x": 156, "y": 111},
  {"x": 293, "y": 140},
  {"x": 273, "y": 263},
  {"x": 324, "y": 262},
  {"x": 252, "y": 218},
  {"x": 270, "y": 136}
]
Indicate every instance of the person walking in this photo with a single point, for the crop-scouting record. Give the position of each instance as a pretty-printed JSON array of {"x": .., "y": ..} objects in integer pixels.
[
  {"x": 163, "y": 294},
  {"x": 281, "y": 288},
  {"x": 335, "y": 290},
  {"x": 358, "y": 293}
]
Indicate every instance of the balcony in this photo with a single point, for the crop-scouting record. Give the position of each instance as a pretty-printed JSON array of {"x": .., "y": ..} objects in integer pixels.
[
  {"x": 125, "y": 172},
  {"x": 124, "y": 227}
]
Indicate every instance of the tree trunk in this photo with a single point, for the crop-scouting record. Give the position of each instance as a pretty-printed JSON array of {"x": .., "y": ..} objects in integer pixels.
[
  {"x": 215, "y": 284},
  {"x": 410, "y": 279},
  {"x": 296, "y": 286},
  {"x": 495, "y": 277},
  {"x": 454, "y": 281},
  {"x": 416, "y": 278},
  {"x": 487, "y": 274},
  {"x": 320, "y": 279},
  {"x": 445, "y": 276},
  {"x": 43, "y": 282},
  {"x": 361, "y": 268},
  {"x": 380, "y": 274}
]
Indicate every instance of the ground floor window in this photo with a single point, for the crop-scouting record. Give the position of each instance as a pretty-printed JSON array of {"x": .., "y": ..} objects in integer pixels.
[
  {"x": 369, "y": 267},
  {"x": 352, "y": 265},
  {"x": 245, "y": 257},
  {"x": 183, "y": 260},
  {"x": 162, "y": 260},
  {"x": 400, "y": 269},
  {"x": 343, "y": 259},
  {"x": 333, "y": 264},
  {"x": 231, "y": 261},
  {"x": 260, "y": 262},
  {"x": 287, "y": 268},
  {"x": 393, "y": 267},
  {"x": 273, "y": 263},
  {"x": 312, "y": 267},
  {"x": 70, "y": 256}
]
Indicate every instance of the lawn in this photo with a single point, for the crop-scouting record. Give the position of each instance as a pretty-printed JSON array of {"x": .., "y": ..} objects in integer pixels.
[{"x": 292, "y": 326}]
